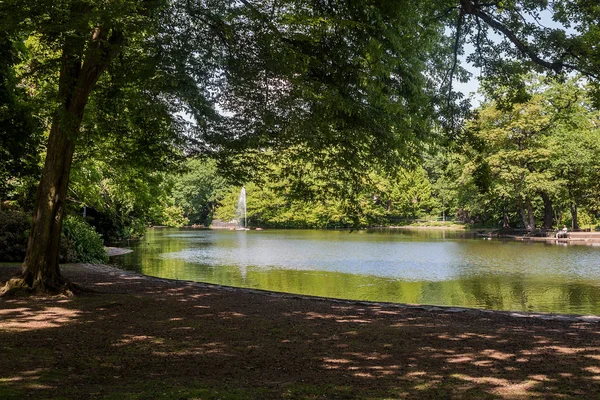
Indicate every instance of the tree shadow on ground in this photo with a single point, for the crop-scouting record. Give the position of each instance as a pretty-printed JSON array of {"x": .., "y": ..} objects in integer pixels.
[{"x": 145, "y": 338}]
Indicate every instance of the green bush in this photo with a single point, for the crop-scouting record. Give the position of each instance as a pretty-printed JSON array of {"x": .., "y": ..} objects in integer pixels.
[
  {"x": 81, "y": 243},
  {"x": 14, "y": 230}
]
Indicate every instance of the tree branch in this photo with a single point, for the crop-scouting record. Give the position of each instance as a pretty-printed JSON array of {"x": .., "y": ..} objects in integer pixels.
[
  {"x": 473, "y": 8},
  {"x": 456, "y": 47},
  {"x": 262, "y": 17}
]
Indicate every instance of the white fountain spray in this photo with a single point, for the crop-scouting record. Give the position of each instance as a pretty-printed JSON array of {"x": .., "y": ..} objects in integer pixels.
[{"x": 241, "y": 215}]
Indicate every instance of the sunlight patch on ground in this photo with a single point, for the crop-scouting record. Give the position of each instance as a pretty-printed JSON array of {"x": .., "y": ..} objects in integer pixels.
[
  {"x": 231, "y": 314},
  {"x": 541, "y": 378},
  {"x": 461, "y": 359},
  {"x": 314, "y": 315},
  {"x": 496, "y": 354},
  {"x": 503, "y": 387},
  {"x": 594, "y": 370},
  {"x": 568, "y": 350},
  {"x": 414, "y": 325},
  {"x": 27, "y": 319},
  {"x": 337, "y": 360},
  {"x": 132, "y": 339},
  {"x": 521, "y": 390},
  {"x": 355, "y": 365},
  {"x": 354, "y": 321},
  {"x": 26, "y": 379}
]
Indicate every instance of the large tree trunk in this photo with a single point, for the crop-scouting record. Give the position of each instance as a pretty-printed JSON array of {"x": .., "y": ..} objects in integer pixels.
[
  {"x": 40, "y": 269},
  {"x": 523, "y": 215},
  {"x": 548, "y": 212},
  {"x": 574, "y": 218},
  {"x": 526, "y": 210},
  {"x": 40, "y": 272},
  {"x": 505, "y": 221}
]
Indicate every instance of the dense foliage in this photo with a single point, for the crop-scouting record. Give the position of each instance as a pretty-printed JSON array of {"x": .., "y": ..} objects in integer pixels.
[
  {"x": 14, "y": 228},
  {"x": 531, "y": 166},
  {"x": 81, "y": 243},
  {"x": 20, "y": 132},
  {"x": 537, "y": 160},
  {"x": 404, "y": 197},
  {"x": 198, "y": 191}
]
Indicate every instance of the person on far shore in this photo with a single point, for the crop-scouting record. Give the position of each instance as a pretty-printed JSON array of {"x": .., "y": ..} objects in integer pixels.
[{"x": 563, "y": 232}]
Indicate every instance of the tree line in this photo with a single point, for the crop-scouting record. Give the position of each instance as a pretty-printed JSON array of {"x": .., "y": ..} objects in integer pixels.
[{"x": 534, "y": 165}]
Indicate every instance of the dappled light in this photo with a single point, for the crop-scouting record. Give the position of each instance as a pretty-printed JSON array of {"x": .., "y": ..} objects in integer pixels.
[
  {"x": 130, "y": 339},
  {"x": 26, "y": 379},
  {"x": 23, "y": 319},
  {"x": 175, "y": 333},
  {"x": 503, "y": 387}
]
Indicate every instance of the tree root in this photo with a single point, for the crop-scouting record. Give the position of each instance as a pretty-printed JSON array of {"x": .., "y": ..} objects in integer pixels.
[{"x": 20, "y": 287}]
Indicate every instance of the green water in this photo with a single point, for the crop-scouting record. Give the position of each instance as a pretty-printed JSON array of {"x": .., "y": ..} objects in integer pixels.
[{"x": 400, "y": 266}]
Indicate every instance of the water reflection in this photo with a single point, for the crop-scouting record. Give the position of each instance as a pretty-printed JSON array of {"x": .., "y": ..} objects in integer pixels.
[{"x": 419, "y": 267}]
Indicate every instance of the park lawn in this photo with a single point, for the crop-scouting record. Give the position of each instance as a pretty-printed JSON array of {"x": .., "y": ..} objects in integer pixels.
[{"x": 137, "y": 337}]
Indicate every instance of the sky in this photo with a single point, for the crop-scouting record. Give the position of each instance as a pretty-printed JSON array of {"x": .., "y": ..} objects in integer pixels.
[{"x": 471, "y": 88}]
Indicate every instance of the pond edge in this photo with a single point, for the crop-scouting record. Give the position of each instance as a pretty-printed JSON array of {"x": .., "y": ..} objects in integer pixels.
[{"x": 115, "y": 271}]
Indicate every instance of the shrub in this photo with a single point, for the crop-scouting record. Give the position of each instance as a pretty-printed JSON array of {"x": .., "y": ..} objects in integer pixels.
[
  {"x": 14, "y": 230},
  {"x": 81, "y": 243}
]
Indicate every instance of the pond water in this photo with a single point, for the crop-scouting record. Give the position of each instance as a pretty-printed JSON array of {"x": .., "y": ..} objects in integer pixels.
[{"x": 401, "y": 266}]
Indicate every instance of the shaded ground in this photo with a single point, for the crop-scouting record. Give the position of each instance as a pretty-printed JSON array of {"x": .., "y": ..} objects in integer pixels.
[{"x": 140, "y": 337}]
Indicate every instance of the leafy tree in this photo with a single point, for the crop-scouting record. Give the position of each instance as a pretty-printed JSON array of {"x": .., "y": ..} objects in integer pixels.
[
  {"x": 199, "y": 190},
  {"x": 122, "y": 200},
  {"x": 541, "y": 151},
  {"x": 517, "y": 154},
  {"x": 443, "y": 167},
  {"x": 81, "y": 40},
  {"x": 576, "y": 145},
  {"x": 410, "y": 194},
  {"x": 510, "y": 38}
]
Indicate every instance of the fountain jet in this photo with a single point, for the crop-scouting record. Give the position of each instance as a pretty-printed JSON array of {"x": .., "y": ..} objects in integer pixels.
[{"x": 241, "y": 214}]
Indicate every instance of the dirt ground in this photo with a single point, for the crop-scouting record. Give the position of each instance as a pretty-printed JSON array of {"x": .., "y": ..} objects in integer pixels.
[{"x": 144, "y": 338}]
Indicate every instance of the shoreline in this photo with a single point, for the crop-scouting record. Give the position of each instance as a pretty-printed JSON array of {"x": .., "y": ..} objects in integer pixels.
[
  {"x": 548, "y": 316},
  {"x": 114, "y": 271}
]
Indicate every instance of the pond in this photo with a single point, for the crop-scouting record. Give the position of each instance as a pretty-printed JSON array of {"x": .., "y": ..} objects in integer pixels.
[{"x": 434, "y": 267}]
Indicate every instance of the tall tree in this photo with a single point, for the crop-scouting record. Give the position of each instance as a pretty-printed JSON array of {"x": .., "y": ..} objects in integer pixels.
[
  {"x": 86, "y": 37},
  {"x": 199, "y": 191},
  {"x": 516, "y": 151},
  {"x": 368, "y": 63},
  {"x": 576, "y": 145},
  {"x": 542, "y": 149}
]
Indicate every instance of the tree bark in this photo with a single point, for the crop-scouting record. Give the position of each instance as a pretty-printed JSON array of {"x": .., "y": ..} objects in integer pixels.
[
  {"x": 548, "y": 211},
  {"x": 527, "y": 216},
  {"x": 523, "y": 215},
  {"x": 505, "y": 221},
  {"x": 40, "y": 271},
  {"x": 574, "y": 218}
]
